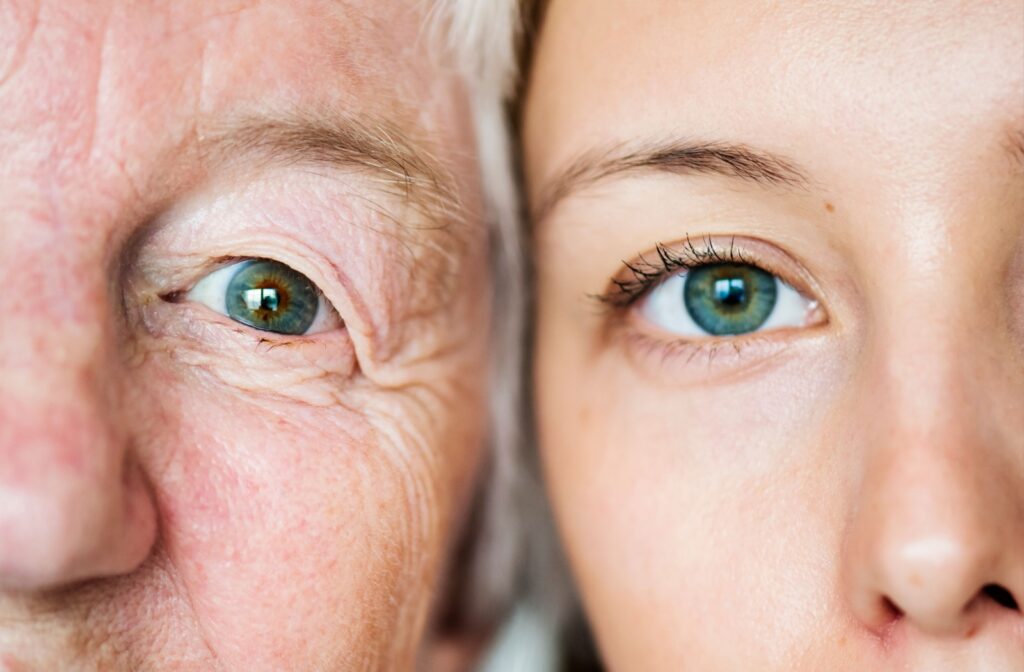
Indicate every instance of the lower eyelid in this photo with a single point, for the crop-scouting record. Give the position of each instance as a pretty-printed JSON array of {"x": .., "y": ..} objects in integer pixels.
[
  {"x": 221, "y": 342},
  {"x": 677, "y": 362}
]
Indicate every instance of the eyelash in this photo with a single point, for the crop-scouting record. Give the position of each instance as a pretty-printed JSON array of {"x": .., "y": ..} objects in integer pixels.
[{"x": 644, "y": 274}]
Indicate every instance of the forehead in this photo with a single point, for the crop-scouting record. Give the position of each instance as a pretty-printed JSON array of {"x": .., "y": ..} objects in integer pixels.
[
  {"x": 773, "y": 74},
  {"x": 287, "y": 45},
  {"x": 121, "y": 86}
]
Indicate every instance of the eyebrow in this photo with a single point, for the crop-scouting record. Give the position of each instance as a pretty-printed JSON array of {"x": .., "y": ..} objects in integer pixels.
[
  {"x": 402, "y": 165},
  {"x": 682, "y": 157}
]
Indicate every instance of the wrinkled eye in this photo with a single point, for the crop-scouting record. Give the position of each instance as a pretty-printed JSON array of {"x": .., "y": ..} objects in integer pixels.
[
  {"x": 266, "y": 295},
  {"x": 724, "y": 299}
]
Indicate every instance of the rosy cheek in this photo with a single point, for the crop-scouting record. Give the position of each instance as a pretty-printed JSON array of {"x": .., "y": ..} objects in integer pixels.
[{"x": 267, "y": 502}]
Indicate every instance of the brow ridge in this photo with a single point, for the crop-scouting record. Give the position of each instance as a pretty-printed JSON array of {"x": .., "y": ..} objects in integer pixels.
[
  {"x": 400, "y": 164},
  {"x": 682, "y": 157}
]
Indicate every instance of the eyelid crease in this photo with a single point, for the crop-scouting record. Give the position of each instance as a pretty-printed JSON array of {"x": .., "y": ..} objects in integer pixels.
[
  {"x": 722, "y": 360},
  {"x": 637, "y": 278}
]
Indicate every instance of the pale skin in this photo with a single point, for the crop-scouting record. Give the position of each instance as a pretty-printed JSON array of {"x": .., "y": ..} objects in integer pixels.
[
  {"x": 842, "y": 492},
  {"x": 181, "y": 491}
]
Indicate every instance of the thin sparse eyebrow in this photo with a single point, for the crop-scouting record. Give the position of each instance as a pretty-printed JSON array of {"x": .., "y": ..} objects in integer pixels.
[
  {"x": 390, "y": 156},
  {"x": 678, "y": 156}
]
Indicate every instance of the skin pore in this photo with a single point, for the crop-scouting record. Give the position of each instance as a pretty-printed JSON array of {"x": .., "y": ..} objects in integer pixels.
[
  {"x": 179, "y": 490},
  {"x": 843, "y": 489}
]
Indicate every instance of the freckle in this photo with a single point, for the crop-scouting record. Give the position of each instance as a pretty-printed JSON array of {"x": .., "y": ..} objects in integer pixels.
[{"x": 829, "y": 207}]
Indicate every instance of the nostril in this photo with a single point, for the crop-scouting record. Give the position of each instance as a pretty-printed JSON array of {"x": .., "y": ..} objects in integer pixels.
[
  {"x": 890, "y": 607},
  {"x": 1000, "y": 596}
]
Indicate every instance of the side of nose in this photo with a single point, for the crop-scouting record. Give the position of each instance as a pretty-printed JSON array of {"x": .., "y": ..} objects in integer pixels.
[
  {"x": 936, "y": 537},
  {"x": 74, "y": 505}
]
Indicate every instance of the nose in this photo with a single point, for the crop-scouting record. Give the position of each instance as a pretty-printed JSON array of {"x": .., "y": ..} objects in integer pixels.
[
  {"x": 74, "y": 504},
  {"x": 936, "y": 538}
]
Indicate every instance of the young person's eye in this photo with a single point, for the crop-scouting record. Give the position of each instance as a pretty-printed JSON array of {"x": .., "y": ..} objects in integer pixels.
[
  {"x": 724, "y": 299},
  {"x": 710, "y": 291},
  {"x": 266, "y": 295}
]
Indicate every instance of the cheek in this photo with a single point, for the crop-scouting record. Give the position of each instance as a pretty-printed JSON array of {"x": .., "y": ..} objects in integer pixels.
[
  {"x": 690, "y": 505},
  {"x": 291, "y": 523}
]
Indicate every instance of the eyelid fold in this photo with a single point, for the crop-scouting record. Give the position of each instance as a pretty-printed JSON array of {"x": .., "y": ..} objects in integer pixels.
[{"x": 639, "y": 275}]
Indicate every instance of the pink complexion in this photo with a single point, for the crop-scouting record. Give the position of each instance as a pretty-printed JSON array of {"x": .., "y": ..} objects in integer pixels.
[{"x": 179, "y": 491}]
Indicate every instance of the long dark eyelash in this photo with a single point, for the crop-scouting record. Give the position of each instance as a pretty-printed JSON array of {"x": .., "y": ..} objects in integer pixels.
[{"x": 645, "y": 274}]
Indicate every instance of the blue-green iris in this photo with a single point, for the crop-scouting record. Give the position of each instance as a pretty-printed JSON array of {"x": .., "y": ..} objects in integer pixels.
[
  {"x": 729, "y": 299},
  {"x": 268, "y": 295}
]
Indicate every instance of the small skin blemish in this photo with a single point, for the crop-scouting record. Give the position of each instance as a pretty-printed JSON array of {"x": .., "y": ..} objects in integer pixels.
[{"x": 829, "y": 208}]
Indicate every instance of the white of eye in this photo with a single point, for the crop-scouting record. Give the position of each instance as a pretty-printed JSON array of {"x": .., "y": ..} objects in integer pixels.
[
  {"x": 211, "y": 291},
  {"x": 665, "y": 308}
]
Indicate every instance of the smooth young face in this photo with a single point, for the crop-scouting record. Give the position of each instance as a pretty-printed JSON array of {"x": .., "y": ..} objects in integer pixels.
[
  {"x": 791, "y": 435},
  {"x": 207, "y": 464}
]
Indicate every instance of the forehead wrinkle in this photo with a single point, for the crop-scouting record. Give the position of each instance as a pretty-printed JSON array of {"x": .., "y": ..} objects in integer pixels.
[{"x": 400, "y": 164}]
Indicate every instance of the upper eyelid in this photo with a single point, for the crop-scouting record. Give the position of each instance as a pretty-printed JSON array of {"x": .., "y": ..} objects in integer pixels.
[
  {"x": 200, "y": 272},
  {"x": 171, "y": 268},
  {"x": 738, "y": 249}
]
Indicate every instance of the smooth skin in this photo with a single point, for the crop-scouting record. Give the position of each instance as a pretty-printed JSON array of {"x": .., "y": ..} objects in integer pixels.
[
  {"x": 179, "y": 491},
  {"x": 844, "y": 493}
]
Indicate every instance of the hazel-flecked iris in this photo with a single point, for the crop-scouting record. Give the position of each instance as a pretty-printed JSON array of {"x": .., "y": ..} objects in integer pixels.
[
  {"x": 729, "y": 299},
  {"x": 268, "y": 295}
]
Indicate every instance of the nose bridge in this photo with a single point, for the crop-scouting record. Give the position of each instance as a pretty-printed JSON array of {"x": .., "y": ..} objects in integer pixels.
[
  {"x": 56, "y": 331},
  {"x": 72, "y": 503},
  {"x": 937, "y": 516}
]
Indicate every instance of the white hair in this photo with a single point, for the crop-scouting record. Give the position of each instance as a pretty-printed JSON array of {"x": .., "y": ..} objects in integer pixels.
[
  {"x": 482, "y": 35},
  {"x": 515, "y": 559}
]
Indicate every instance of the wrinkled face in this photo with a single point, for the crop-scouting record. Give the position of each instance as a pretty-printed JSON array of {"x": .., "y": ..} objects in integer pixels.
[
  {"x": 240, "y": 339},
  {"x": 788, "y": 432}
]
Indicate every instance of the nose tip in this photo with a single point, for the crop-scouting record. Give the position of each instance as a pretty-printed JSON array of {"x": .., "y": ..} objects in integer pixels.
[
  {"x": 73, "y": 506},
  {"x": 934, "y": 551},
  {"x": 936, "y": 583}
]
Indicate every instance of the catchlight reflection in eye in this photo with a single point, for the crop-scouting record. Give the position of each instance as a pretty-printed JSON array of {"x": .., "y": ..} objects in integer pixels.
[
  {"x": 266, "y": 295},
  {"x": 724, "y": 299}
]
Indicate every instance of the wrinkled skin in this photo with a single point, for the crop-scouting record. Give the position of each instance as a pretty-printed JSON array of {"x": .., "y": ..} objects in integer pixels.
[
  {"x": 845, "y": 493},
  {"x": 179, "y": 491}
]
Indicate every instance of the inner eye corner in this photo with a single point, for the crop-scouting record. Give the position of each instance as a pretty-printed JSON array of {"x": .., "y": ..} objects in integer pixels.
[{"x": 173, "y": 296}]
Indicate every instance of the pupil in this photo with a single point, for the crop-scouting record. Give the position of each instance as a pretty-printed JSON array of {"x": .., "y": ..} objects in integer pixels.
[
  {"x": 729, "y": 299},
  {"x": 261, "y": 298},
  {"x": 268, "y": 295},
  {"x": 730, "y": 291}
]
